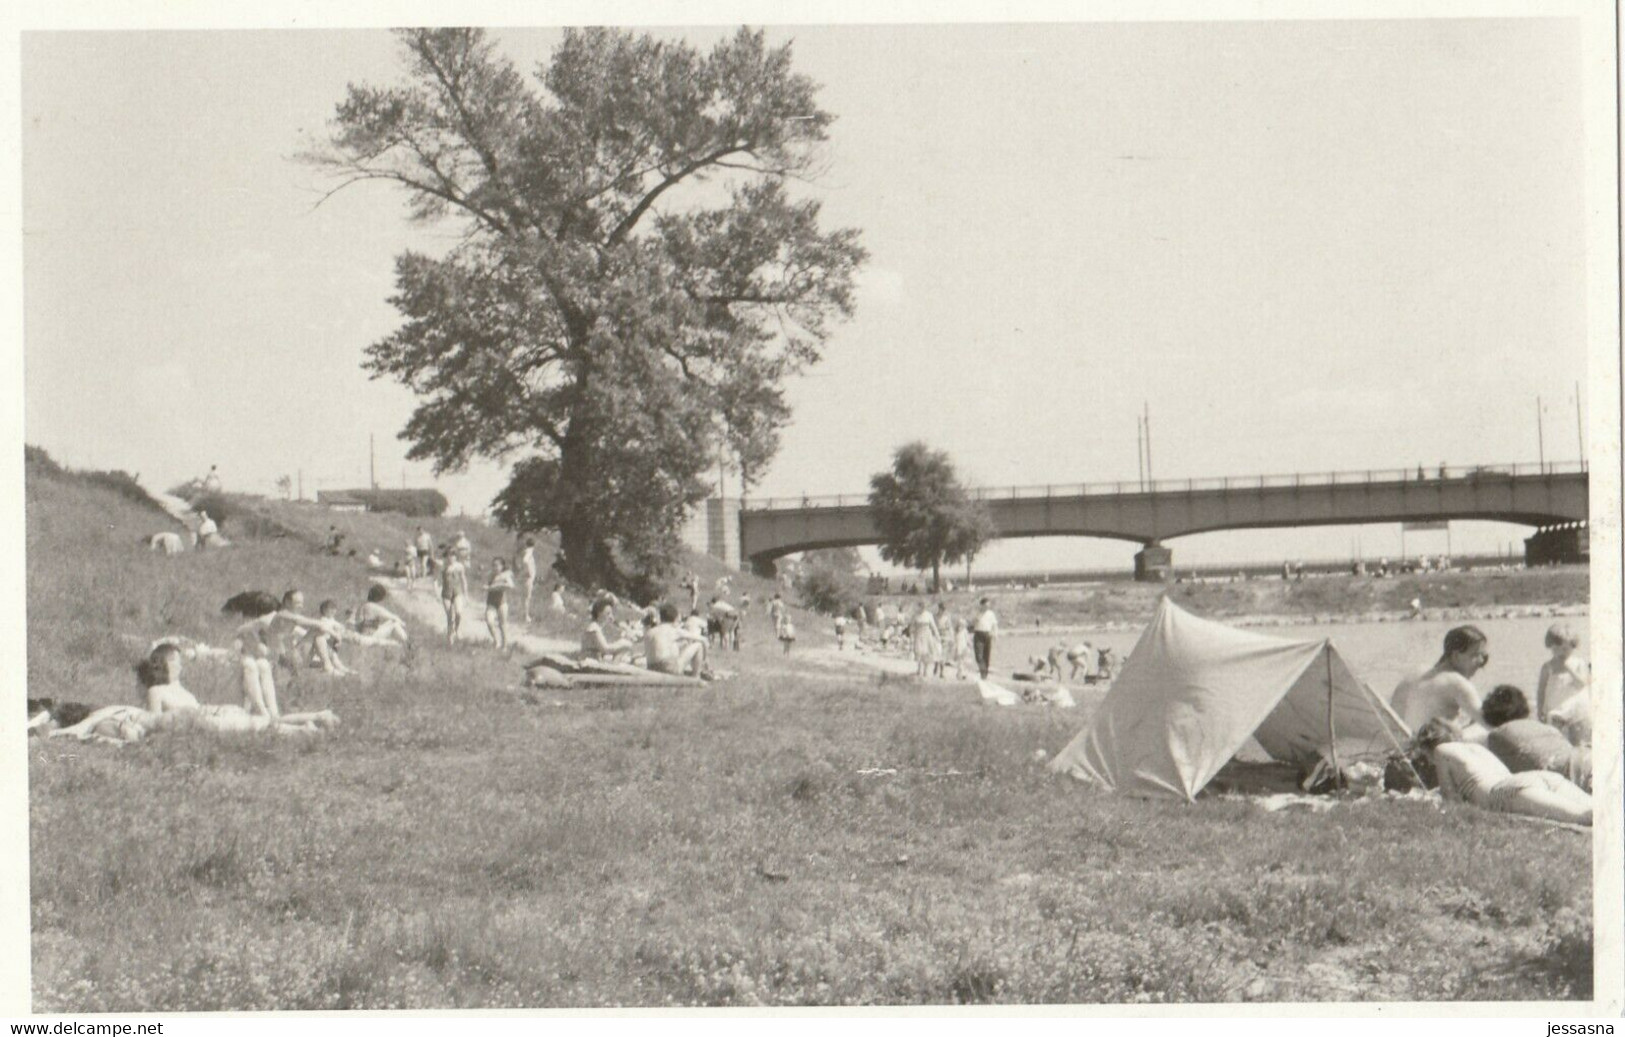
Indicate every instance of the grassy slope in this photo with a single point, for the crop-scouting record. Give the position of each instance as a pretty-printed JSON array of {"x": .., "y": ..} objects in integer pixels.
[{"x": 452, "y": 846}]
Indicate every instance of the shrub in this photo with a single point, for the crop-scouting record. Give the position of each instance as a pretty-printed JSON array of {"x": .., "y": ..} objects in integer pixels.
[
  {"x": 217, "y": 505},
  {"x": 36, "y": 462},
  {"x": 831, "y": 593},
  {"x": 413, "y": 503}
]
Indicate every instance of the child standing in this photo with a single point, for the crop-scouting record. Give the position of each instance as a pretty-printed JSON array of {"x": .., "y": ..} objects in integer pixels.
[
  {"x": 1561, "y": 697},
  {"x": 787, "y": 632}
]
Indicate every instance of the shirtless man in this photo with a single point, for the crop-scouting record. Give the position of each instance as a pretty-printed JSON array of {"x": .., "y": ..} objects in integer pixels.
[{"x": 1445, "y": 690}]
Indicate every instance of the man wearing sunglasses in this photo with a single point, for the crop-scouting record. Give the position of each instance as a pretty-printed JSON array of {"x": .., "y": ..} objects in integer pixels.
[{"x": 1445, "y": 690}]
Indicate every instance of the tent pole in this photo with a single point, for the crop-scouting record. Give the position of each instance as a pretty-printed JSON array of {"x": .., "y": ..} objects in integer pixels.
[{"x": 1331, "y": 720}]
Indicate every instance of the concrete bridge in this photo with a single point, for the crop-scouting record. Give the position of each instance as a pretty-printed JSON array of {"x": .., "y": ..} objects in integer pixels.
[{"x": 1553, "y": 497}]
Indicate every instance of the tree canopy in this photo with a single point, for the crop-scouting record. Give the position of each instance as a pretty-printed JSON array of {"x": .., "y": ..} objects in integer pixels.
[
  {"x": 925, "y": 517},
  {"x": 635, "y": 280}
]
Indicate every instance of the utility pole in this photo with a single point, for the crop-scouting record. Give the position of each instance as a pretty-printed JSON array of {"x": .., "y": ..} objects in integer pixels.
[
  {"x": 301, "y": 484},
  {"x": 372, "y": 460},
  {"x": 1149, "y": 477},
  {"x": 1579, "y": 423},
  {"x": 1540, "y": 434},
  {"x": 1139, "y": 448}
]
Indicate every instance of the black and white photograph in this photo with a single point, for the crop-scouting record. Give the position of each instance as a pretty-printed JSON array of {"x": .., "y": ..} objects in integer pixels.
[{"x": 1077, "y": 507}]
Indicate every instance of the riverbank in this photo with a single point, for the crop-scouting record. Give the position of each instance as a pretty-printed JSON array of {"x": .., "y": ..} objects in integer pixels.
[{"x": 1466, "y": 596}]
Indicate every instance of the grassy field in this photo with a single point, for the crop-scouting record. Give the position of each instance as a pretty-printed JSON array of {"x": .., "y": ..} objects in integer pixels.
[{"x": 460, "y": 844}]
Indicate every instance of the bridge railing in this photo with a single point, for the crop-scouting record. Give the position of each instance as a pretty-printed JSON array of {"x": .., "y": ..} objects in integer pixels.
[{"x": 1419, "y": 474}]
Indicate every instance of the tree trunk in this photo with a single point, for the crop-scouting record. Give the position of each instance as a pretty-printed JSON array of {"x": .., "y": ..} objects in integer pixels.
[{"x": 936, "y": 575}]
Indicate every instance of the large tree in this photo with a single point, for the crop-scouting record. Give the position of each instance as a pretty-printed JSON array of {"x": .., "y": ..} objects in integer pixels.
[
  {"x": 925, "y": 517},
  {"x": 634, "y": 281}
]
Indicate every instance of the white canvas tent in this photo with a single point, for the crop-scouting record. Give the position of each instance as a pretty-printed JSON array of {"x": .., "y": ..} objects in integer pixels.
[{"x": 1193, "y": 691}]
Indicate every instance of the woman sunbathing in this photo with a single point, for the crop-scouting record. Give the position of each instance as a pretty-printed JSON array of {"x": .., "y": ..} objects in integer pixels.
[
  {"x": 1469, "y": 772},
  {"x": 169, "y": 704}
]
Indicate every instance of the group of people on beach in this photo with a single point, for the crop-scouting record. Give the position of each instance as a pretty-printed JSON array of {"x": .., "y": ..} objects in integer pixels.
[
  {"x": 933, "y": 636},
  {"x": 1502, "y": 751}
]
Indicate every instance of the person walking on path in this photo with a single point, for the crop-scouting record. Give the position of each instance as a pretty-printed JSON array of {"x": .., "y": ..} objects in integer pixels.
[
  {"x": 425, "y": 546},
  {"x": 983, "y": 631},
  {"x": 453, "y": 592},
  {"x": 496, "y": 602},
  {"x": 527, "y": 572},
  {"x": 927, "y": 640}
]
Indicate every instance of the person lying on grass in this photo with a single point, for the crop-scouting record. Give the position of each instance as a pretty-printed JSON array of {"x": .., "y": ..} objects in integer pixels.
[
  {"x": 169, "y": 705},
  {"x": 595, "y": 640},
  {"x": 1470, "y": 773},
  {"x": 668, "y": 648},
  {"x": 1526, "y": 744}
]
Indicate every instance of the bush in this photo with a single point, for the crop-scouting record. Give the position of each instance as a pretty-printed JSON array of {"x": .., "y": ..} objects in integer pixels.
[
  {"x": 412, "y": 503},
  {"x": 36, "y": 462},
  {"x": 217, "y": 505},
  {"x": 832, "y": 593}
]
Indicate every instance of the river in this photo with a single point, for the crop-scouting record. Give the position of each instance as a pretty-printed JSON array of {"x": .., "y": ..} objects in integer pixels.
[{"x": 1379, "y": 653}]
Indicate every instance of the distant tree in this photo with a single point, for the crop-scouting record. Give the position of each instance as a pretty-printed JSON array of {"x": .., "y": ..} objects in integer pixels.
[
  {"x": 284, "y": 486},
  {"x": 603, "y": 314},
  {"x": 831, "y": 580},
  {"x": 925, "y": 517}
]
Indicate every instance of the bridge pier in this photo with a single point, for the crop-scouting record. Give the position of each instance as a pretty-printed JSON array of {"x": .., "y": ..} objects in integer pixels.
[
  {"x": 763, "y": 566},
  {"x": 1567, "y": 543},
  {"x": 1153, "y": 563}
]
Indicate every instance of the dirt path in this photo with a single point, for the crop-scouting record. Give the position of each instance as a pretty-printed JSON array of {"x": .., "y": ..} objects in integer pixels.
[{"x": 422, "y": 604}]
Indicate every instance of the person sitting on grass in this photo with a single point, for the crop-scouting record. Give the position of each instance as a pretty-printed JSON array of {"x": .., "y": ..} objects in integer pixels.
[
  {"x": 1470, "y": 773},
  {"x": 324, "y": 642},
  {"x": 595, "y": 640},
  {"x": 697, "y": 626},
  {"x": 1525, "y": 744},
  {"x": 281, "y": 631},
  {"x": 668, "y": 648},
  {"x": 207, "y": 530},
  {"x": 496, "y": 602},
  {"x": 374, "y": 620},
  {"x": 1445, "y": 690}
]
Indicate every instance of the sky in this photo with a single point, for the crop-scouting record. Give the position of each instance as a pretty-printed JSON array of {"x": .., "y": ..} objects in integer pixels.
[{"x": 1304, "y": 246}]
